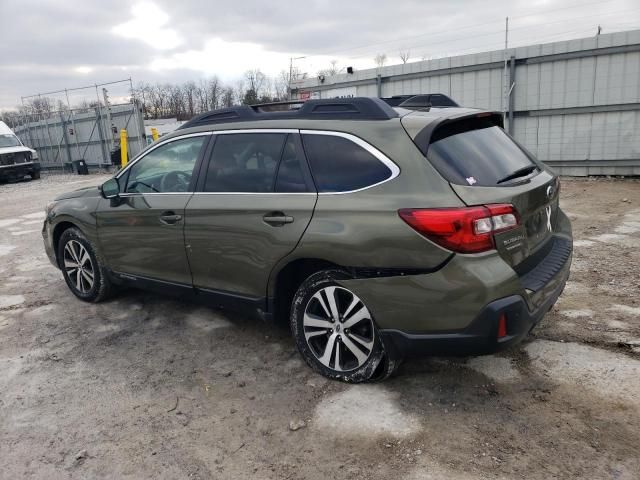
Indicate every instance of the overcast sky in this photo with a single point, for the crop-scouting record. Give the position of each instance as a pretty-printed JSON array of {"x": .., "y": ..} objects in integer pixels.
[{"x": 47, "y": 45}]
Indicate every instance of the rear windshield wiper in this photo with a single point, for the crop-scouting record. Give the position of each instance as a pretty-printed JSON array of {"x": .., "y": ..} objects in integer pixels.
[{"x": 521, "y": 172}]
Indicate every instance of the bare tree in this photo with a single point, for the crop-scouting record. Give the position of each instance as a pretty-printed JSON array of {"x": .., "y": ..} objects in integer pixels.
[
  {"x": 380, "y": 59},
  {"x": 227, "y": 97},
  {"x": 255, "y": 83},
  {"x": 189, "y": 98},
  {"x": 404, "y": 55}
]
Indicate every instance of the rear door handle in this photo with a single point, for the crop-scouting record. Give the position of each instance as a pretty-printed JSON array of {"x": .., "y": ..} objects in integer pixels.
[
  {"x": 277, "y": 219},
  {"x": 170, "y": 218}
]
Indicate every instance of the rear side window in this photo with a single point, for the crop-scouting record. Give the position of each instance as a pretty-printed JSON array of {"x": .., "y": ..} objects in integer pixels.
[
  {"x": 340, "y": 165},
  {"x": 245, "y": 162},
  {"x": 475, "y": 152},
  {"x": 290, "y": 177}
]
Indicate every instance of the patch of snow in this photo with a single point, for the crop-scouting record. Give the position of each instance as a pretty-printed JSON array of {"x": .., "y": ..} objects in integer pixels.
[
  {"x": 6, "y": 249},
  {"x": 24, "y": 232},
  {"x": 206, "y": 320},
  {"x": 572, "y": 288},
  {"x": 609, "y": 374},
  {"x": 609, "y": 237},
  {"x": 634, "y": 311},
  {"x": 496, "y": 368},
  {"x": 582, "y": 243},
  {"x": 585, "y": 312},
  {"x": 9, "y": 221},
  {"x": 364, "y": 410},
  {"x": 39, "y": 215},
  {"x": 7, "y": 301}
]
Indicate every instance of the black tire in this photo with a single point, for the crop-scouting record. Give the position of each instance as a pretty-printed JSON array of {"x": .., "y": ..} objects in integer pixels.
[
  {"x": 101, "y": 288},
  {"x": 350, "y": 369},
  {"x": 35, "y": 175}
]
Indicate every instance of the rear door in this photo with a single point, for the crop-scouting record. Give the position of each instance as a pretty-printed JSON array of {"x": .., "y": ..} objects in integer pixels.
[
  {"x": 484, "y": 165},
  {"x": 254, "y": 201}
]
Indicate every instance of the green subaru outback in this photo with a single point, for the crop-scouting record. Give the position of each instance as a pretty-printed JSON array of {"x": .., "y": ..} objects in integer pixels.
[{"x": 376, "y": 232}]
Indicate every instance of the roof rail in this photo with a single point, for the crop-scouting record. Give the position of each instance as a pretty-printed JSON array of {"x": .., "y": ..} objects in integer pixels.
[{"x": 356, "y": 108}]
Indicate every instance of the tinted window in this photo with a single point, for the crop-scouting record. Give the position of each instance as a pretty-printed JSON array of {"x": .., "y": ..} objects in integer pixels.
[
  {"x": 339, "y": 165},
  {"x": 244, "y": 162},
  {"x": 168, "y": 168},
  {"x": 290, "y": 177},
  {"x": 475, "y": 153}
]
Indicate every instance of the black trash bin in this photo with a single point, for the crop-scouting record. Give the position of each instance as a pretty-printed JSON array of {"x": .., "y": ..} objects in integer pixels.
[
  {"x": 80, "y": 166},
  {"x": 115, "y": 156}
]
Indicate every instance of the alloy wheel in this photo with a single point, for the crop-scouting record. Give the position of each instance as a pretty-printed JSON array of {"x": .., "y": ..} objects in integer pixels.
[
  {"x": 338, "y": 329},
  {"x": 78, "y": 266}
]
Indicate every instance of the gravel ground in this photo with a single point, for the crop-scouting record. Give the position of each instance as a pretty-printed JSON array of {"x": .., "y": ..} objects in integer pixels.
[{"x": 144, "y": 386}]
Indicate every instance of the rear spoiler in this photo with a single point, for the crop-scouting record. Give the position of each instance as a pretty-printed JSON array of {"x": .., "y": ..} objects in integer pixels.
[
  {"x": 423, "y": 100},
  {"x": 424, "y": 136}
]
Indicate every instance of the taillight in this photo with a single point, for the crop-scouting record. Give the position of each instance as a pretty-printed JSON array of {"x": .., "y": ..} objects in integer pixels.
[{"x": 463, "y": 230}]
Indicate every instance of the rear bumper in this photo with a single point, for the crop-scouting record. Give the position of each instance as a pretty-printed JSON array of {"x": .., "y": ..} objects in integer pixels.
[{"x": 481, "y": 336}]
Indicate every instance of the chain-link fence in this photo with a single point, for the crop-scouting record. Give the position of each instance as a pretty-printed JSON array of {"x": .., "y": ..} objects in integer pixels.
[{"x": 91, "y": 134}]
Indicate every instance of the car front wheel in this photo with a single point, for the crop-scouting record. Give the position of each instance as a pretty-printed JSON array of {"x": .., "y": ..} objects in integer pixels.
[
  {"x": 335, "y": 332},
  {"x": 84, "y": 274}
]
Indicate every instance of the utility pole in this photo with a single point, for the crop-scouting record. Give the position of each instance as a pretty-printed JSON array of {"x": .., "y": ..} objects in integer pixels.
[
  {"x": 504, "y": 101},
  {"x": 291, "y": 59},
  {"x": 108, "y": 107},
  {"x": 73, "y": 122},
  {"x": 290, "y": 74}
]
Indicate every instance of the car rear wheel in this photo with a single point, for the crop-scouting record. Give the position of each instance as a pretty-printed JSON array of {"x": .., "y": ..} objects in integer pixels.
[
  {"x": 335, "y": 331},
  {"x": 82, "y": 270}
]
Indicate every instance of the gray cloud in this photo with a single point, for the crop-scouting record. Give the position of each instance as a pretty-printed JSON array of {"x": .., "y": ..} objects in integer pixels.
[{"x": 43, "y": 41}]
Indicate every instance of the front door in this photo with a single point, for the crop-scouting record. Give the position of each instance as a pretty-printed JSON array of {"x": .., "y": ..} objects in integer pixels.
[
  {"x": 142, "y": 232},
  {"x": 252, "y": 206}
]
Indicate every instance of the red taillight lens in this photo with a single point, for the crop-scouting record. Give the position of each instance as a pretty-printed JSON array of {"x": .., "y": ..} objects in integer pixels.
[{"x": 463, "y": 230}]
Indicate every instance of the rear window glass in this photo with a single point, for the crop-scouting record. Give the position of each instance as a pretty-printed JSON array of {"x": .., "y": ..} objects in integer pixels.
[
  {"x": 339, "y": 165},
  {"x": 475, "y": 152}
]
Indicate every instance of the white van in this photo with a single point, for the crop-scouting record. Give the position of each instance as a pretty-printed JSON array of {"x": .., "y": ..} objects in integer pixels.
[{"x": 16, "y": 160}]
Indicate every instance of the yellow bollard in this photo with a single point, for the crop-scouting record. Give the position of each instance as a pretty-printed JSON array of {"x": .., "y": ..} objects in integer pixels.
[
  {"x": 123, "y": 148},
  {"x": 154, "y": 134}
]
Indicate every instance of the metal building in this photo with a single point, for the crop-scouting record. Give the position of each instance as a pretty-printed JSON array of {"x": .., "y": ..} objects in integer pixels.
[{"x": 575, "y": 104}]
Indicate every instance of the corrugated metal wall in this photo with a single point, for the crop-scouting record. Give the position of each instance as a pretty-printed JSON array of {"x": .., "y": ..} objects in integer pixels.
[
  {"x": 575, "y": 104},
  {"x": 62, "y": 137}
]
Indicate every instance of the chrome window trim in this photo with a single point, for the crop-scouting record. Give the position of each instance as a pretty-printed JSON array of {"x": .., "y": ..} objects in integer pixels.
[
  {"x": 146, "y": 152},
  {"x": 390, "y": 164},
  {"x": 393, "y": 167},
  {"x": 138, "y": 194},
  {"x": 255, "y": 193},
  {"x": 256, "y": 130}
]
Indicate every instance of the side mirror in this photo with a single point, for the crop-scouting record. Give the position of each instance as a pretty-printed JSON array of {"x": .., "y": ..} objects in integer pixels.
[{"x": 110, "y": 188}]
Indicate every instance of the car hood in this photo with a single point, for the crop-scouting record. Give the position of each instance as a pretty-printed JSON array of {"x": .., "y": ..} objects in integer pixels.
[
  {"x": 19, "y": 148},
  {"x": 81, "y": 192}
]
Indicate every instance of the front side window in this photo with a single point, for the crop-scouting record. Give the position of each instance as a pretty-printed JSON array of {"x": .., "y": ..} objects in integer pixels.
[
  {"x": 340, "y": 165},
  {"x": 245, "y": 162},
  {"x": 168, "y": 168}
]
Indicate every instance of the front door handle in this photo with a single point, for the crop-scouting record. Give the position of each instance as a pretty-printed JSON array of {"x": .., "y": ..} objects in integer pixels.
[
  {"x": 277, "y": 219},
  {"x": 170, "y": 218}
]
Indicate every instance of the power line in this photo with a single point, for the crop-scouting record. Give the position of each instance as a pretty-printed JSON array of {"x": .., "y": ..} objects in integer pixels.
[
  {"x": 527, "y": 27},
  {"x": 465, "y": 27}
]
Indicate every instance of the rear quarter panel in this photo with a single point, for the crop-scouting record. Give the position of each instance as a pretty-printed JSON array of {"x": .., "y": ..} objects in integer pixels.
[{"x": 363, "y": 229}]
